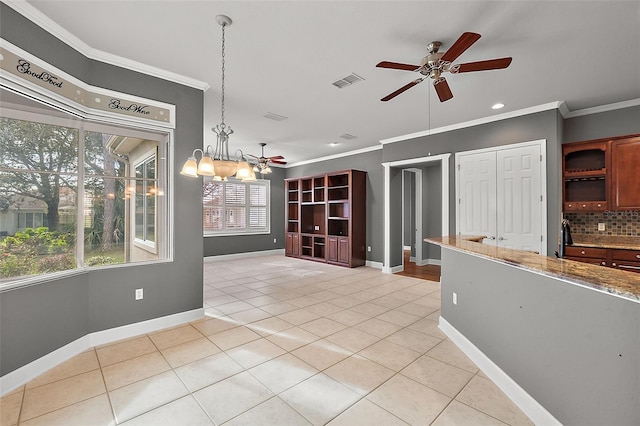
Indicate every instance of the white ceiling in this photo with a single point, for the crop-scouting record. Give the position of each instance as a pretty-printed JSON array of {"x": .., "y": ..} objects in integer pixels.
[{"x": 281, "y": 57}]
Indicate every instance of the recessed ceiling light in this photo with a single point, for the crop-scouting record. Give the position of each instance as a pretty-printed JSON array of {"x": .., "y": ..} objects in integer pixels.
[
  {"x": 334, "y": 144},
  {"x": 497, "y": 106}
]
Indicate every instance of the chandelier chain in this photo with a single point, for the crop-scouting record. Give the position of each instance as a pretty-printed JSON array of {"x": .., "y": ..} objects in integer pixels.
[{"x": 222, "y": 123}]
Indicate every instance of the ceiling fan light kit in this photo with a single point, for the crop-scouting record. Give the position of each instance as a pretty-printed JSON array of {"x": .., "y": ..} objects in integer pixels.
[
  {"x": 436, "y": 63},
  {"x": 216, "y": 163},
  {"x": 262, "y": 165}
]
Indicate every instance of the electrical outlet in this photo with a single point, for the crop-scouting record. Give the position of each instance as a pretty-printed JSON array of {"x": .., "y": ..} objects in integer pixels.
[
  {"x": 139, "y": 294},
  {"x": 601, "y": 226},
  {"x": 368, "y": 248},
  {"x": 316, "y": 228},
  {"x": 455, "y": 298},
  {"x": 274, "y": 241}
]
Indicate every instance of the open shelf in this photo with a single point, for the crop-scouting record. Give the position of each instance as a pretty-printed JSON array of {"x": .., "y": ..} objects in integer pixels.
[
  {"x": 339, "y": 210},
  {"x": 327, "y": 223}
]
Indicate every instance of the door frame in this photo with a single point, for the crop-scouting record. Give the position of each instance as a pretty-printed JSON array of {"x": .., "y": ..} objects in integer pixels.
[
  {"x": 409, "y": 163},
  {"x": 417, "y": 194},
  {"x": 542, "y": 143}
]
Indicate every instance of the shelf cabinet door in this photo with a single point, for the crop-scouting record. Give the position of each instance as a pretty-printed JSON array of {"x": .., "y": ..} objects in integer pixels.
[
  {"x": 332, "y": 249},
  {"x": 292, "y": 244},
  {"x": 625, "y": 185},
  {"x": 343, "y": 250}
]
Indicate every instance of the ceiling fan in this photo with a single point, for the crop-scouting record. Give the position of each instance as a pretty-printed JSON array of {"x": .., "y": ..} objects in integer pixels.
[
  {"x": 436, "y": 63},
  {"x": 263, "y": 162}
]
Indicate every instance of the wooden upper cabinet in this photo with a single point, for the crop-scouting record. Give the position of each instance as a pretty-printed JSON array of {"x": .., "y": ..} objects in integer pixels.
[
  {"x": 585, "y": 168},
  {"x": 625, "y": 174}
]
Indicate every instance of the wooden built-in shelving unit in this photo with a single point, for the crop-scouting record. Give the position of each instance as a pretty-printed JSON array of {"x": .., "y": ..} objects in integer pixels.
[{"x": 326, "y": 217}]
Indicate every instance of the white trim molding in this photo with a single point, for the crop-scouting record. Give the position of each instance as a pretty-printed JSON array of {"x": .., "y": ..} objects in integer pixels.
[
  {"x": 471, "y": 123},
  {"x": 532, "y": 408},
  {"x": 46, "y": 23},
  {"x": 561, "y": 106},
  {"x": 26, "y": 373},
  {"x": 22, "y": 72},
  {"x": 412, "y": 162},
  {"x": 334, "y": 156}
]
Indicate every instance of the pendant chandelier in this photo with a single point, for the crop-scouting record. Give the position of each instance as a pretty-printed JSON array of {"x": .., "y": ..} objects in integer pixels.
[{"x": 216, "y": 163}]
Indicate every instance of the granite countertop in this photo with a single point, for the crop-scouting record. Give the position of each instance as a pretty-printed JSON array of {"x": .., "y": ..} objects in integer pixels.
[
  {"x": 606, "y": 241},
  {"x": 614, "y": 281}
]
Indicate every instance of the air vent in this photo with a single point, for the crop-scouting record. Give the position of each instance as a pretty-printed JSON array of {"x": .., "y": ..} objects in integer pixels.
[
  {"x": 348, "y": 136},
  {"x": 276, "y": 117},
  {"x": 347, "y": 81}
]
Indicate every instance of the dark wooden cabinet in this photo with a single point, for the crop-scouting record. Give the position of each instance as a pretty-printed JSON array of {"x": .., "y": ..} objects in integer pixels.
[
  {"x": 328, "y": 213},
  {"x": 625, "y": 180},
  {"x": 592, "y": 255},
  {"x": 601, "y": 175},
  {"x": 292, "y": 244},
  {"x": 584, "y": 176},
  {"x": 627, "y": 260}
]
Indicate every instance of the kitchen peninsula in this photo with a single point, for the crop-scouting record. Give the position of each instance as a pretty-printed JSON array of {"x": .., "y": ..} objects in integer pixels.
[{"x": 562, "y": 338}]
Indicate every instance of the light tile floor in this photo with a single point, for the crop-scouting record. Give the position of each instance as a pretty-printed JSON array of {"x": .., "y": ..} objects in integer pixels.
[{"x": 285, "y": 342}]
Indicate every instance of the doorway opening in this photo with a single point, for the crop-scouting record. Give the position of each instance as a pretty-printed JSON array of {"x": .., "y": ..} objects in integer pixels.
[{"x": 437, "y": 222}]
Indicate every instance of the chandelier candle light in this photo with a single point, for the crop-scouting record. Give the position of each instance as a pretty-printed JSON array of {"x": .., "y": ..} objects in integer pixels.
[{"x": 216, "y": 163}]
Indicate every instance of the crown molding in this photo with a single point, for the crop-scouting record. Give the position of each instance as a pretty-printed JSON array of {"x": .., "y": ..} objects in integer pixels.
[
  {"x": 602, "y": 108},
  {"x": 561, "y": 106},
  {"x": 477, "y": 122},
  {"x": 46, "y": 23},
  {"x": 334, "y": 156}
]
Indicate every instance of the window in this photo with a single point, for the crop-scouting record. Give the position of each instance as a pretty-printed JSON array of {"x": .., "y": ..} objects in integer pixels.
[
  {"x": 236, "y": 207},
  {"x": 145, "y": 216},
  {"x": 31, "y": 220},
  {"x": 59, "y": 213}
]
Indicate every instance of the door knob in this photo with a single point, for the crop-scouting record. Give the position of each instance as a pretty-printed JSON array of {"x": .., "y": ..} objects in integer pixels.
[{"x": 501, "y": 238}]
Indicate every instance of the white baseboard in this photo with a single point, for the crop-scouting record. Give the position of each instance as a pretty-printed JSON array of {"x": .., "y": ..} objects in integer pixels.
[
  {"x": 434, "y": 262},
  {"x": 26, "y": 373},
  {"x": 392, "y": 270},
  {"x": 536, "y": 412},
  {"x": 241, "y": 255},
  {"x": 372, "y": 264}
]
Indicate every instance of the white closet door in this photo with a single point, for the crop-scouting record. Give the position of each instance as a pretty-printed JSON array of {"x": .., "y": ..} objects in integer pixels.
[
  {"x": 477, "y": 195},
  {"x": 519, "y": 213}
]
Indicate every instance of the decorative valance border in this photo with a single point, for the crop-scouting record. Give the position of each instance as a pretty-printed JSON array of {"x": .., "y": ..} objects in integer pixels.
[{"x": 22, "y": 70}]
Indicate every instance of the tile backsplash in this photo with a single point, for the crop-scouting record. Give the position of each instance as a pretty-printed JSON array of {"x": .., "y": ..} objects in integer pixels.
[{"x": 618, "y": 223}]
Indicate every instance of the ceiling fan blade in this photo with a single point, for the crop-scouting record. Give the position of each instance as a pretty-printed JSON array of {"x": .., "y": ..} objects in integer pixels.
[
  {"x": 278, "y": 162},
  {"x": 397, "y": 66},
  {"x": 251, "y": 155},
  {"x": 276, "y": 157},
  {"x": 442, "y": 89},
  {"x": 463, "y": 43},
  {"x": 491, "y": 64},
  {"x": 402, "y": 89}
]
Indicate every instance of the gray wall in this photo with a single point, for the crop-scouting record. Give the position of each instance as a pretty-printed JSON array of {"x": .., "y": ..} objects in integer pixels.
[
  {"x": 39, "y": 319},
  {"x": 369, "y": 162},
  {"x": 432, "y": 209},
  {"x": 573, "y": 349},
  {"x": 214, "y": 246},
  {"x": 542, "y": 125},
  {"x": 620, "y": 122}
]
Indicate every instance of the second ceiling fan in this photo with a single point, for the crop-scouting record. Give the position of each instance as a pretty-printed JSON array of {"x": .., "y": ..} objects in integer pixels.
[
  {"x": 436, "y": 63},
  {"x": 263, "y": 162}
]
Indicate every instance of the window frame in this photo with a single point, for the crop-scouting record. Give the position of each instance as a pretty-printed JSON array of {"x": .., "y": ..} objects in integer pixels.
[
  {"x": 162, "y": 136},
  {"x": 247, "y": 209},
  {"x": 144, "y": 243}
]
